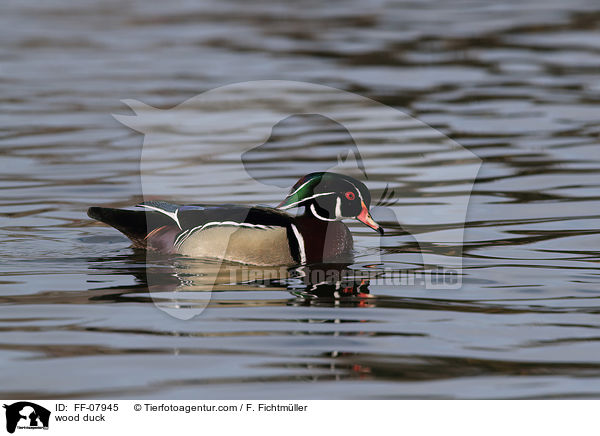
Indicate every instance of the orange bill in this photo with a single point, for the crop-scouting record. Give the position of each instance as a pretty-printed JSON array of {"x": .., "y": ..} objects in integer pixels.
[{"x": 366, "y": 218}]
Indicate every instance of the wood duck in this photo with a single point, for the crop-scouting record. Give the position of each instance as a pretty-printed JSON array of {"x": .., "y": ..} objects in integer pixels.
[{"x": 254, "y": 235}]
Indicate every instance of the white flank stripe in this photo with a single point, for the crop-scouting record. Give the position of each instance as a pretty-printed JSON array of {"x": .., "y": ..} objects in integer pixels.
[
  {"x": 179, "y": 240},
  {"x": 300, "y": 240},
  {"x": 185, "y": 235}
]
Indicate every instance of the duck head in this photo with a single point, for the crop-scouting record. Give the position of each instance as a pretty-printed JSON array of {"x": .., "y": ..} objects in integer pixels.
[{"x": 332, "y": 197}]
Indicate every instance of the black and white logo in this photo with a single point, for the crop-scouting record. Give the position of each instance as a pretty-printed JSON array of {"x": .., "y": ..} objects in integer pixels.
[{"x": 26, "y": 415}]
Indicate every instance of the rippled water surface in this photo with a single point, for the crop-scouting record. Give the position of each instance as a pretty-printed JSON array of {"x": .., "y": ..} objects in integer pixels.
[{"x": 515, "y": 83}]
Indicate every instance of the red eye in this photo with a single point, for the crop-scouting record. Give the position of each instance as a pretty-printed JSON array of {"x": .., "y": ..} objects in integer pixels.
[{"x": 350, "y": 195}]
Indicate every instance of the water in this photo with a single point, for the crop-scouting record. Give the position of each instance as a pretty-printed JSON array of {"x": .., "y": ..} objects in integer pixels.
[{"x": 515, "y": 83}]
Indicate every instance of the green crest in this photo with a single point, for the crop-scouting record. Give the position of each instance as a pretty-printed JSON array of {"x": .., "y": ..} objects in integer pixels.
[{"x": 302, "y": 190}]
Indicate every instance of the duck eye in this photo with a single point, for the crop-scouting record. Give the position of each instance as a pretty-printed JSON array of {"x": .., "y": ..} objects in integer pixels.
[{"x": 350, "y": 195}]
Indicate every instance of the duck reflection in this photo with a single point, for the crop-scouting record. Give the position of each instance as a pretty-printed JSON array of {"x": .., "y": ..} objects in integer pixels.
[
  {"x": 191, "y": 284},
  {"x": 330, "y": 285},
  {"x": 184, "y": 287}
]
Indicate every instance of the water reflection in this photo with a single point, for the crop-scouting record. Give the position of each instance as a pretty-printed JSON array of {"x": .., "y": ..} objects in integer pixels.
[{"x": 184, "y": 287}]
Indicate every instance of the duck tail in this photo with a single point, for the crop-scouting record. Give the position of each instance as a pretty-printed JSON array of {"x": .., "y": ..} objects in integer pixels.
[{"x": 146, "y": 229}]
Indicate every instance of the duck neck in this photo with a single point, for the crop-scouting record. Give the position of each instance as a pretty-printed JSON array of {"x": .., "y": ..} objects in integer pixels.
[
  {"x": 323, "y": 239},
  {"x": 312, "y": 222}
]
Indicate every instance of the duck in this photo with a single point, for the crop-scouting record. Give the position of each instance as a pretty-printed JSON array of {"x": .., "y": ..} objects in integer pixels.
[{"x": 253, "y": 235}]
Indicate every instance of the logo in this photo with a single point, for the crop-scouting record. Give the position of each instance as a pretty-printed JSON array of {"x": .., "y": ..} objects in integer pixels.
[{"x": 26, "y": 415}]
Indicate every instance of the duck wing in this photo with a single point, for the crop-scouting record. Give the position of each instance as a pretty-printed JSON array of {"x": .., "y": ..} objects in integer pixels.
[{"x": 162, "y": 224}]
